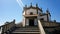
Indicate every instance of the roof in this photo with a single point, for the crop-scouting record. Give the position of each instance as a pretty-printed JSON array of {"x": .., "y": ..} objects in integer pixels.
[{"x": 33, "y": 7}]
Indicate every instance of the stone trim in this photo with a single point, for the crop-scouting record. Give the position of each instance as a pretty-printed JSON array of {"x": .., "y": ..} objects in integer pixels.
[{"x": 26, "y": 8}]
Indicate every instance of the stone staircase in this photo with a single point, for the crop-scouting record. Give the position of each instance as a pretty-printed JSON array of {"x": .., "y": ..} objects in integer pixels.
[{"x": 26, "y": 30}]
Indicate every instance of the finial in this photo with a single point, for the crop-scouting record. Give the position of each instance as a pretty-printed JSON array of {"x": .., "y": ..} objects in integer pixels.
[
  {"x": 41, "y": 10},
  {"x": 54, "y": 20},
  {"x": 31, "y": 4},
  {"x": 47, "y": 10},
  {"x": 6, "y": 22},
  {"x": 25, "y": 6},
  {"x": 14, "y": 20},
  {"x": 36, "y": 5}
]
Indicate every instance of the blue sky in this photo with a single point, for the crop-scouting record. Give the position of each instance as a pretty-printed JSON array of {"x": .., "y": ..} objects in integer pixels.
[{"x": 11, "y": 9}]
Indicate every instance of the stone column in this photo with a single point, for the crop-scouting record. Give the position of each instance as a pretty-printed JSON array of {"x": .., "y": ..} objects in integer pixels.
[
  {"x": 35, "y": 21},
  {"x": 1, "y": 30},
  {"x": 24, "y": 22},
  {"x": 27, "y": 22}
]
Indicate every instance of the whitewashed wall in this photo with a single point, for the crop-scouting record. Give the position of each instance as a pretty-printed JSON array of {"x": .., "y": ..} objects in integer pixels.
[
  {"x": 24, "y": 13},
  {"x": 44, "y": 17},
  {"x": 49, "y": 17},
  {"x": 39, "y": 12},
  {"x": 24, "y": 22},
  {"x": 31, "y": 10}
]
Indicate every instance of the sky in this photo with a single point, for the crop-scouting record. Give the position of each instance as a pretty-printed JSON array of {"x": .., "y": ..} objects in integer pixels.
[{"x": 12, "y": 9}]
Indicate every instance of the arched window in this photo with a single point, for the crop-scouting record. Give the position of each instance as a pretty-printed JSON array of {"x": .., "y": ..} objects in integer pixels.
[{"x": 31, "y": 13}]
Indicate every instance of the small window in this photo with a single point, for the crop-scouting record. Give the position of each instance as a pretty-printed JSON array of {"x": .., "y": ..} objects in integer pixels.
[
  {"x": 41, "y": 19},
  {"x": 31, "y": 13}
]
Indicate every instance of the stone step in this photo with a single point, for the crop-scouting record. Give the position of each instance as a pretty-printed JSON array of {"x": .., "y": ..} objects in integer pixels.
[
  {"x": 26, "y": 33},
  {"x": 26, "y": 30}
]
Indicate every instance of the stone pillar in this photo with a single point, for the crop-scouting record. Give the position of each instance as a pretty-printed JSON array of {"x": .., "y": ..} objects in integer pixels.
[
  {"x": 24, "y": 22},
  {"x": 1, "y": 31},
  {"x": 27, "y": 22},
  {"x": 35, "y": 21}
]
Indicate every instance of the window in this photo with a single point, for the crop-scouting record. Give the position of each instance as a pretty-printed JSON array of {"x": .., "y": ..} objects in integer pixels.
[
  {"x": 31, "y": 13},
  {"x": 41, "y": 19}
]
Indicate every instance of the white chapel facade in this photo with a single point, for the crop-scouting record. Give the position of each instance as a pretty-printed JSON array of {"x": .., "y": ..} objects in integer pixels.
[{"x": 31, "y": 15}]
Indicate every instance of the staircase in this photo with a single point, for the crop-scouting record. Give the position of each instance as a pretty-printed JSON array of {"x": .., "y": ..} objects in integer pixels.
[{"x": 26, "y": 30}]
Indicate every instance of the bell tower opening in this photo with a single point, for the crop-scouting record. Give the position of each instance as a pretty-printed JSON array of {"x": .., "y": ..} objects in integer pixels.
[{"x": 31, "y": 22}]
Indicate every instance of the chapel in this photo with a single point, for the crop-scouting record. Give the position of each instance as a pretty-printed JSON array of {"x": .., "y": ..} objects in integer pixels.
[{"x": 35, "y": 21}]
